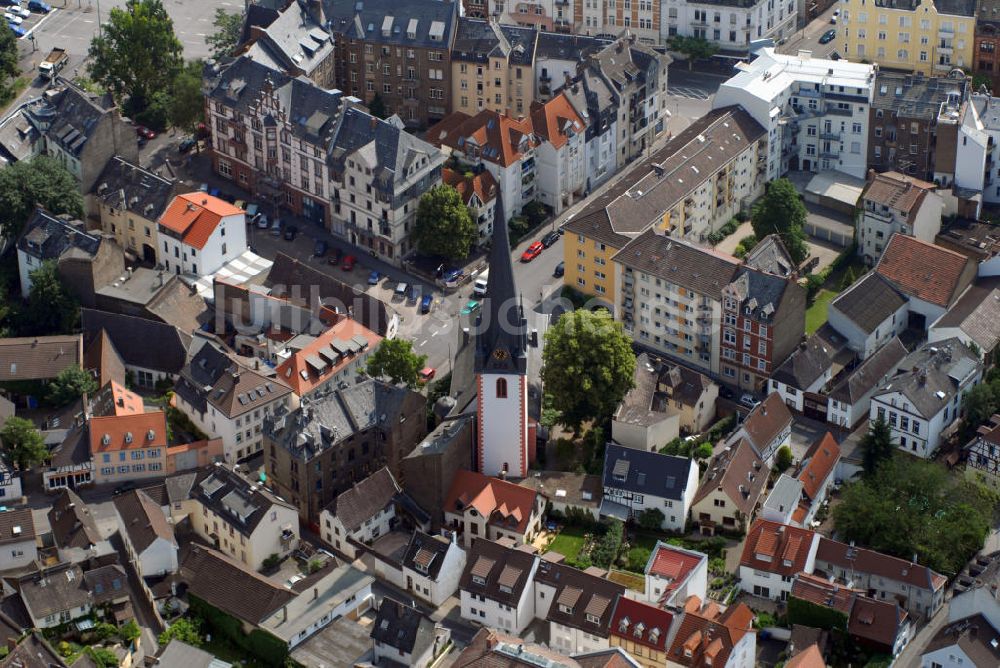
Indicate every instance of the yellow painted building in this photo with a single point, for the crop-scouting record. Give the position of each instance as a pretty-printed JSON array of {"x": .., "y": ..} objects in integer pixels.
[
  {"x": 493, "y": 67},
  {"x": 912, "y": 35}
]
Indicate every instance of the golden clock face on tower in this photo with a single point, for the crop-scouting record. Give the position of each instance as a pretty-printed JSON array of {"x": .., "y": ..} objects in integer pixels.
[{"x": 500, "y": 354}]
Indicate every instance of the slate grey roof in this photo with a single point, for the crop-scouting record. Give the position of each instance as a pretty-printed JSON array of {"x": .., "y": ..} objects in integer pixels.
[
  {"x": 785, "y": 496},
  {"x": 501, "y": 325},
  {"x": 426, "y": 553},
  {"x": 492, "y": 563},
  {"x": 869, "y": 302},
  {"x": 642, "y": 472},
  {"x": 586, "y": 595},
  {"x": 128, "y": 187},
  {"x": 18, "y": 137},
  {"x": 931, "y": 375},
  {"x": 870, "y": 373},
  {"x": 976, "y": 314},
  {"x": 53, "y": 590},
  {"x": 48, "y": 237},
  {"x": 476, "y": 40},
  {"x": 679, "y": 262},
  {"x": 294, "y": 41},
  {"x": 72, "y": 523},
  {"x": 771, "y": 256},
  {"x": 404, "y": 628},
  {"x": 16, "y": 525},
  {"x": 560, "y": 46},
  {"x": 178, "y": 487},
  {"x": 366, "y": 498},
  {"x": 140, "y": 342},
  {"x": 229, "y": 495},
  {"x": 336, "y": 415},
  {"x": 758, "y": 291},
  {"x": 70, "y": 117},
  {"x": 214, "y": 377},
  {"x": 179, "y": 654},
  {"x": 415, "y": 23},
  {"x": 107, "y": 583},
  {"x": 811, "y": 359}
]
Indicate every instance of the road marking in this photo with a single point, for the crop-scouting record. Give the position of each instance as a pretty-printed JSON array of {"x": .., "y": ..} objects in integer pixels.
[
  {"x": 422, "y": 343},
  {"x": 43, "y": 20}
]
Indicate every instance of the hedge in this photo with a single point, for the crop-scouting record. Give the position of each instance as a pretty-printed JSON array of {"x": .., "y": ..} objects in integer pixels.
[
  {"x": 261, "y": 645},
  {"x": 817, "y": 616}
]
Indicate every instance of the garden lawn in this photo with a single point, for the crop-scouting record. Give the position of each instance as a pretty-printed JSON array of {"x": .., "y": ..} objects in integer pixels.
[
  {"x": 569, "y": 542},
  {"x": 816, "y": 314}
]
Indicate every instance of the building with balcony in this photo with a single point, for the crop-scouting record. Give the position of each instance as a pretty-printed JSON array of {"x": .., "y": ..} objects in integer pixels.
[
  {"x": 400, "y": 52},
  {"x": 986, "y": 48},
  {"x": 815, "y": 111},
  {"x": 913, "y": 35},
  {"x": 547, "y": 15},
  {"x": 730, "y": 25},
  {"x": 669, "y": 293},
  {"x": 562, "y": 152},
  {"x": 893, "y": 202},
  {"x": 687, "y": 189},
  {"x": 492, "y": 67}
]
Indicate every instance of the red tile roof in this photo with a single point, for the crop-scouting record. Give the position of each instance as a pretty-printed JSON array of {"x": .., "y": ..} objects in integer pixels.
[
  {"x": 767, "y": 420},
  {"x": 126, "y": 432},
  {"x": 897, "y": 191},
  {"x": 641, "y": 623},
  {"x": 707, "y": 638},
  {"x": 820, "y": 591},
  {"x": 820, "y": 461},
  {"x": 488, "y": 135},
  {"x": 871, "y": 562},
  {"x": 114, "y": 399},
  {"x": 194, "y": 216},
  {"x": 923, "y": 270},
  {"x": 503, "y": 503},
  {"x": 555, "y": 120},
  {"x": 304, "y": 377},
  {"x": 482, "y": 185},
  {"x": 777, "y": 548},
  {"x": 810, "y": 657},
  {"x": 875, "y": 621},
  {"x": 673, "y": 563}
]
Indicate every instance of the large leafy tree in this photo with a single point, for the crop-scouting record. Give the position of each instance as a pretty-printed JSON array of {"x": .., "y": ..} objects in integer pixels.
[
  {"x": 876, "y": 446},
  {"x": 913, "y": 507},
  {"x": 137, "y": 54},
  {"x": 184, "y": 629},
  {"x": 51, "y": 308},
  {"x": 40, "y": 181},
  {"x": 71, "y": 384},
  {"x": 780, "y": 211},
  {"x": 692, "y": 48},
  {"x": 8, "y": 62},
  {"x": 228, "y": 27},
  {"x": 980, "y": 403},
  {"x": 187, "y": 102},
  {"x": 22, "y": 443},
  {"x": 587, "y": 366},
  {"x": 394, "y": 359},
  {"x": 444, "y": 224}
]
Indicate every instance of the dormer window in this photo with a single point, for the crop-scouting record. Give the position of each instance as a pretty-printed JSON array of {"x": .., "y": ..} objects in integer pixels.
[
  {"x": 565, "y": 609},
  {"x": 593, "y": 619},
  {"x": 479, "y": 580},
  {"x": 505, "y": 589}
]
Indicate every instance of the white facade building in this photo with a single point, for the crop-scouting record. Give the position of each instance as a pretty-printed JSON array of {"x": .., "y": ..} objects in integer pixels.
[
  {"x": 361, "y": 514},
  {"x": 18, "y": 543},
  {"x": 815, "y": 110},
  {"x": 497, "y": 587},
  {"x": 730, "y": 25},
  {"x": 200, "y": 233},
  {"x": 432, "y": 567}
]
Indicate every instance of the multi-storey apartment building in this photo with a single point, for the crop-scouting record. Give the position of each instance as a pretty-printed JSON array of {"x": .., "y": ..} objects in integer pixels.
[
  {"x": 548, "y": 15},
  {"x": 907, "y": 112},
  {"x": 562, "y": 152},
  {"x": 128, "y": 447},
  {"x": 893, "y": 202},
  {"x": 643, "y": 18},
  {"x": 400, "y": 52},
  {"x": 595, "y": 101},
  {"x": 271, "y": 135},
  {"x": 379, "y": 172},
  {"x": 913, "y": 35},
  {"x": 492, "y": 67},
  {"x": 669, "y": 295},
  {"x": 729, "y": 24},
  {"x": 688, "y": 188},
  {"x": 986, "y": 48},
  {"x": 987, "y": 109},
  {"x": 297, "y": 42},
  {"x": 763, "y": 317},
  {"x": 822, "y": 110}
]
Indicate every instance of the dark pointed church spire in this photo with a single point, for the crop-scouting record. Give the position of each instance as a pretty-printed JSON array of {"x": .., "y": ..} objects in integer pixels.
[{"x": 501, "y": 327}]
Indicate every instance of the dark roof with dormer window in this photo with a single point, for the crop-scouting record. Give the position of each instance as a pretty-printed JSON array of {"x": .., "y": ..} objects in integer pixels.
[
  {"x": 642, "y": 472},
  {"x": 496, "y": 572}
]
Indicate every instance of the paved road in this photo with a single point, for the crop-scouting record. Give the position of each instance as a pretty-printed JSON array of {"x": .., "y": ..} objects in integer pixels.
[{"x": 807, "y": 39}]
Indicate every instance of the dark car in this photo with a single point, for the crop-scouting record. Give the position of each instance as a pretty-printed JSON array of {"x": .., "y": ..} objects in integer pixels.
[
  {"x": 560, "y": 270},
  {"x": 726, "y": 393},
  {"x": 425, "y": 303},
  {"x": 335, "y": 255},
  {"x": 39, "y": 6},
  {"x": 290, "y": 233},
  {"x": 126, "y": 486},
  {"x": 828, "y": 37},
  {"x": 550, "y": 239},
  {"x": 412, "y": 295},
  {"x": 319, "y": 249},
  {"x": 187, "y": 144}
]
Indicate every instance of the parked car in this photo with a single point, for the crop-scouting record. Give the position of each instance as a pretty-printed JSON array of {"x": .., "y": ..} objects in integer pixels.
[
  {"x": 532, "y": 251},
  {"x": 828, "y": 36},
  {"x": 550, "y": 239},
  {"x": 187, "y": 144},
  {"x": 291, "y": 232},
  {"x": 126, "y": 486},
  {"x": 748, "y": 400},
  {"x": 12, "y": 19},
  {"x": 19, "y": 31},
  {"x": 335, "y": 257},
  {"x": 319, "y": 248},
  {"x": 726, "y": 393},
  {"x": 349, "y": 263},
  {"x": 143, "y": 131},
  {"x": 427, "y": 374},
  {"x": 12, "y": 3},
  {"x": 373, "y": 278},
  {"x": 413, "y": 295},
  {"x": 559, "y": 270},
  {"x": 276, "y": 228},
  {"x": 425, "y": 303},
  {"x": 39, "y": 6},
  {"x": 400, "y": 290},
  {"x": 471, "y": 307}
]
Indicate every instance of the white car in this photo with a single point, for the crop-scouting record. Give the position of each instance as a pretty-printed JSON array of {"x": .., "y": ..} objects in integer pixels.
[
  {"x": 748, "y": 400},
  {"x": 16, "y": 20},
  {"x": 23, "y": 12}
]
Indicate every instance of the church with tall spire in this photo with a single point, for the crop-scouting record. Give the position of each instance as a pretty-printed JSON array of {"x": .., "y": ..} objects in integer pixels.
[{"x": 501, "y": 365}]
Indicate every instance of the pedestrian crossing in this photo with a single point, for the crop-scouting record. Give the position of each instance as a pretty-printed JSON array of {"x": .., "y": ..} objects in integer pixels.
[{"x": 687, "y": 92}]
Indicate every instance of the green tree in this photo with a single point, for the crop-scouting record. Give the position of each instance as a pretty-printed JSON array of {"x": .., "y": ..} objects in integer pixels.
[
  {"x": 651, "y": 519},
  {"x": 780, "y": 211},
  {"x": 185, "y": 629},
  {"x": 187, "y": 101},
  {"x": 9, "y": 69},
  {"x": 137, "y": 54},
  {"x": 587, "y": 366},
  {"x": 703, "y": 451},
  {"x": 377, "y": 107},
  {"x": 394, "y": 359},
  {"x": 228, "y": 27},
  {"x": 23, "y": 443},
  {"x": 51, "y": 309},
  {"x": 848, "y": 279},
  {"x": 102, "y": 656},
  {"x": 692, "y": 48},
  {"x": 71, "y": 384},
  {"x": 783, "y": 460},
  {"x": 129, "y": 631},
  {"x": 876, "y": 446},
  {"x": 445, "y": 226},
  {"x": 41, "y": 181},
  {"x": 980, "y": 402}
]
